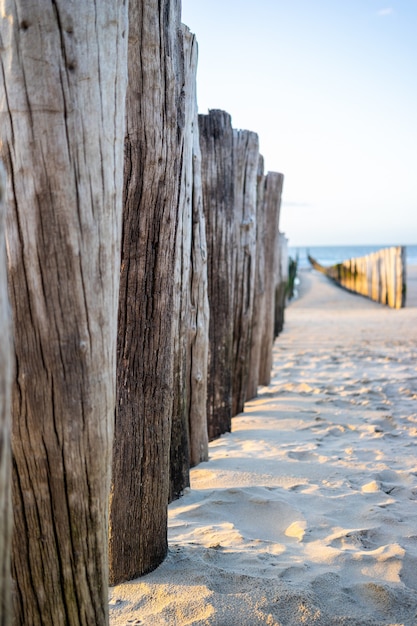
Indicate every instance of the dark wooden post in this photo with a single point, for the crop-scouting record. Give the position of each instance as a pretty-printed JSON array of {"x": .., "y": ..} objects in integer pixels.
[
  {"x": 216, "y": 142},
  {"x": 245, "y": 168},
  {"x": 154, "y": 117},
  {"x": 179, "y": 446}
]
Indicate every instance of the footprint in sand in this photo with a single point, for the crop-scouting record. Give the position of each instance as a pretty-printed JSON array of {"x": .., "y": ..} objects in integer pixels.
[
  {"x": 307, "y": 457},
  {"x": 294, "y": 573},
  {"x": 302, "y": 455},
  {"x": 364, "y": 539}
]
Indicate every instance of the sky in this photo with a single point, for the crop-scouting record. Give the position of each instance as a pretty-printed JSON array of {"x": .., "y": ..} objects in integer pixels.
[{"x": 330, "y": 86}]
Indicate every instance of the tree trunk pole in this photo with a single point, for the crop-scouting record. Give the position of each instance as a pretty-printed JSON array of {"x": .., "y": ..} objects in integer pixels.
[
  {"x": 5, "y": 425},
  {"x": 145, "y": 361},
  {"x": 62, "y": 125}
]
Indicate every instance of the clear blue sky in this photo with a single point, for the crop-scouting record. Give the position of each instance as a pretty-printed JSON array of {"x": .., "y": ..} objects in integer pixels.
[{"x": 330, "y": 86}]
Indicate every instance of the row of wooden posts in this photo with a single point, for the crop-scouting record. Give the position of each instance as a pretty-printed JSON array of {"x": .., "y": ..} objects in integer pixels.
[
  {"x": 380, "y": 275},
  {"x": 146, "y": 279}
]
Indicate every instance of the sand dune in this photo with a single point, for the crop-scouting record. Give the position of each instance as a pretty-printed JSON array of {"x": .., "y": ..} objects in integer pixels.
[{"x": 307, "y": 512}]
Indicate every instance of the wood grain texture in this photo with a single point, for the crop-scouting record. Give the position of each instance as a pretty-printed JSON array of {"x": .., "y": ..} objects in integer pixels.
[
  {"x": 199, "y": 313},
  {"x": 145, "y": 355},
  {"x": 245, "y": 169},
  {"x": 63, "y": 84},
  {"x": 5, "y": 424},
  {"x": 189, "y": 439},
  {"x": 258, "y": 315},
  {"x": 272, "y": 199},
  {"x": 180, "y": 443},
  {"x": 216, "y": 142}
]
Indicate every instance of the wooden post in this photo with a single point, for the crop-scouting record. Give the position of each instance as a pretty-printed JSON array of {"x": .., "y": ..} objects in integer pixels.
[
  {"x": 199, "y": 311},
  {"x": 180, "y": 445},
  {"x": 245, "y": 161},
  {"x": 216, "y": 142},
  {"x": 375, "y": 277},
  {"x": 154, "y": 117},
  {"x": 391, "y": 267},
  {"x": 5, "y": 425},
  {"x": 402, "y": 277},
  {"x": 272, "y": 199},
  {"x": 62, "y": 106},
  {"x": 258, "y": 315},
  {"x": 189, "y": 439},
  {"x": 281, "y": 284}
]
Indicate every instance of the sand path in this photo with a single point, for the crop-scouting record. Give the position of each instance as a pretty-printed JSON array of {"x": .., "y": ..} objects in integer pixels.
[{"x": 307, "y": 512}]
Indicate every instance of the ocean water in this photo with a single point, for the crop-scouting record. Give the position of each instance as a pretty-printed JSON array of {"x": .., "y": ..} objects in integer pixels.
[{"x": 330, "y": 255}]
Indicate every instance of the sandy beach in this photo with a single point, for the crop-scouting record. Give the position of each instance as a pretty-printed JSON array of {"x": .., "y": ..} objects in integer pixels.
[{"x": 306, "y": 514}]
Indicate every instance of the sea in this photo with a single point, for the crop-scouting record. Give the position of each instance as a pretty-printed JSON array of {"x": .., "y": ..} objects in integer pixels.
[{"x": 330, "y": 255}]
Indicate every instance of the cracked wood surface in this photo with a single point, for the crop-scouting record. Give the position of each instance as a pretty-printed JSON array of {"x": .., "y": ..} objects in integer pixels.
[
  {"x": 5, "y": 424},
  {"x": 154, "y": 127},
  {"x": 63, "y": 84}
]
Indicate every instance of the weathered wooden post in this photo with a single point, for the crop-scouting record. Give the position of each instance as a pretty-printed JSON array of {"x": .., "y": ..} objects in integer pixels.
[
  {"x": 216, "y": 142},
  {"x": 154, "y": 118},
  {"x": 281, "y": 284},
  {"x": 5, "y": 425},
  {"x": 62, "y": 106},
  {"x": 245, "y": 167},
  {"x": 199, "y": 311},
  {"x": 189, "y": 439},
  {"x": 258, "y": 315},
  {"x": 180, "y": 446},
  {"x": 272, "y": 199}
]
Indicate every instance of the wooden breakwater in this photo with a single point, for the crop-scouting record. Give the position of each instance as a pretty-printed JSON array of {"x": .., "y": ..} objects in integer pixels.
[
  {"x": 380, "y": 276},
  {"x": 146, "y": 290}
]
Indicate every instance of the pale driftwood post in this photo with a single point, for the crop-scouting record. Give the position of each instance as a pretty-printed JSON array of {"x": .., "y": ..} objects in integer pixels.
[
  {"x": 258, "y": 315},
  {"x": 62, "y": 127},
  {"x": 245, "y": 161},
  {"x": 216, "y": 142},
  {"x": 140, "y": 487},
  {"x": 272, "y": 199},
  {"x": 199, "y": 311},
  {"x": 5, "y": 425}
]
